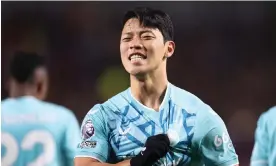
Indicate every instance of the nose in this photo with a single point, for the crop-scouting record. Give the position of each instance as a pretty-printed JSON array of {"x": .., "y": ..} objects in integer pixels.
[{"x": 136, "y": 44}]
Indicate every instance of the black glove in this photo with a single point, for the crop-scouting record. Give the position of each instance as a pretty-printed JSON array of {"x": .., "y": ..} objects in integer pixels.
[{"x": 156, "y": 147}]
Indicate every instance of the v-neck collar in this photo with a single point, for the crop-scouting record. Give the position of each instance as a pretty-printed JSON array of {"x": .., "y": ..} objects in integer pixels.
[{"x": 149, "y": 112}]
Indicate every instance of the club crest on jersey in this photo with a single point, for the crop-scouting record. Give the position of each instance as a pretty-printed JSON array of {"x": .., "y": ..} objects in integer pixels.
[{"x": 88, "y": 130}]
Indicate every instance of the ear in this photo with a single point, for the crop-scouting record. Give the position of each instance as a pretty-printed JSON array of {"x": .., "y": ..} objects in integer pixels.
[
  {"x": 39, "y": 87},
  {"x": 40, "y": 81},
  {"x": 8, "y": 84},
  {"x": 170, "y": 48}
]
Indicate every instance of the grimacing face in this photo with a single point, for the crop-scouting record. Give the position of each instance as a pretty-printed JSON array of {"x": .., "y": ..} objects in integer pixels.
[{"x": 143, "y": 49}]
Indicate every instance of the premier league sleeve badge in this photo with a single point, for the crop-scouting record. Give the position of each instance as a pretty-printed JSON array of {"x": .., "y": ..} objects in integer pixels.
[{"x": 88, "y": 130}]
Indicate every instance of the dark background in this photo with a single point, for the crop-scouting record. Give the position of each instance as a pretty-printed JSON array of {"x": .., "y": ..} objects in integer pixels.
[{"x": 225, "y": 54}]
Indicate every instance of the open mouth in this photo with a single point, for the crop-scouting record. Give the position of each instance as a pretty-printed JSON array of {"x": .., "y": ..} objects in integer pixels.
[{"x": 136, "y": 57}]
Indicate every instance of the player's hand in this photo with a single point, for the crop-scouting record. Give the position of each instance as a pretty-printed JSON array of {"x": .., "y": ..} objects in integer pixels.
[{"x": 156, "y": 147}]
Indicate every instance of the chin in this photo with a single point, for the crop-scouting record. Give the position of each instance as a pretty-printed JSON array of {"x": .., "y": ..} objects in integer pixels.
[{"x": 137, "y": 72}]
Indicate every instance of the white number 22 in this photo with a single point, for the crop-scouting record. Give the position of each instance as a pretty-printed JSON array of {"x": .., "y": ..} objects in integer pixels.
[{"x": 31, "y": 138}]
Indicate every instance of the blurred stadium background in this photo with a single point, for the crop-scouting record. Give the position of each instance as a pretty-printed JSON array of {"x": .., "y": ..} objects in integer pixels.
[{"x": 225, "y": 54}]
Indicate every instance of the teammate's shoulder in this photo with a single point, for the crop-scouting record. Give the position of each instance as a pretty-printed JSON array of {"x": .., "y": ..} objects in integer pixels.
[
  {"x": 6, "y": 102},
  {"x": 56, "y": 108}
]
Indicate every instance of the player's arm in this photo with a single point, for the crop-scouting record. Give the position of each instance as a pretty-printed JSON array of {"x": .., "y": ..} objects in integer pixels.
[
  {"x": 260, "y": 151},
  {"x": 214, "y": 145},
  {"x": 217, "y": 148},
  {"x": 156, "y": 147},
  {"x": 87, "y": 161},
  {"x": 93, "y": 149}
]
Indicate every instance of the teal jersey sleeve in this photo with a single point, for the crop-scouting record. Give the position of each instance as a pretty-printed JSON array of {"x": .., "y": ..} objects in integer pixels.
[
  {"x": 260, "y": 151},
  {"x": 71, "y": 139},
  {"x": 94, "y": 133},
  {"x": 212, "y": 141}
]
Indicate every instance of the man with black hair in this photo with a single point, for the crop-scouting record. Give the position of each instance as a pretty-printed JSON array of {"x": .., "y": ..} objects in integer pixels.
[
  {"x": 153, "y": 122},
  {"x": 35, "y": 132}
]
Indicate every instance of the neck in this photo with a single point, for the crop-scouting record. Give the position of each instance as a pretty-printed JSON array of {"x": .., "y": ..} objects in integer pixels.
[
  {"x": 149, "y": 89},
  {"x": 21, "y": 90}
]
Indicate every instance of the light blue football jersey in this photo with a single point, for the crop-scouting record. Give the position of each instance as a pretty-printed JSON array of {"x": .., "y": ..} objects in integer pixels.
[
  {"x": 37, "y": 133},
  {"x": 120, "y": 127},
  {"x": 264, "y": 151}
]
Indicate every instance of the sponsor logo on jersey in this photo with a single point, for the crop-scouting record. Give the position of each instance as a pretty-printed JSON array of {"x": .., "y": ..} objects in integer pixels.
[{"x": 224, "y": 139}]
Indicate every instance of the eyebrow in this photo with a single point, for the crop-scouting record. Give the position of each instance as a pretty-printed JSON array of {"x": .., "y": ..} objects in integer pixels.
[{"x": 141, "y": 32}]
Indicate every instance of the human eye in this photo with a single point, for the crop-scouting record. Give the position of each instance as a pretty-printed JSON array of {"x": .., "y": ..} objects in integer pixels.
[
  {"x": 126, "y": 38},
  {"x": 147, "y": 36}
]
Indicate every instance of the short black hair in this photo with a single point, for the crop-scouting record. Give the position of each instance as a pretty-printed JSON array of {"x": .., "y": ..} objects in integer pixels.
[
  {"x": 152, "y": 18},
  {"x": 23, "y": 65}
]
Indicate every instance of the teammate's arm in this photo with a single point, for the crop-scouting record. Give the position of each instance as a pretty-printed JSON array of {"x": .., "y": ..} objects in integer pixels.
[{"x": 260, "y": 151}]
